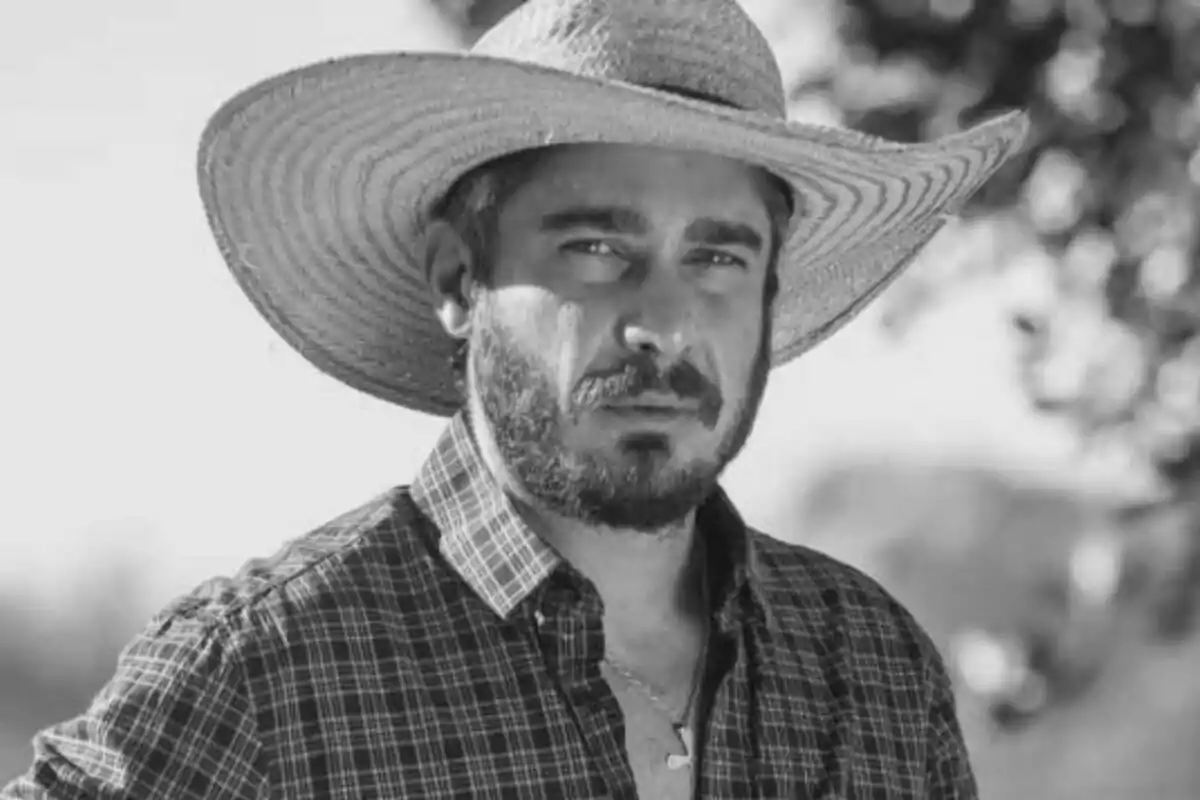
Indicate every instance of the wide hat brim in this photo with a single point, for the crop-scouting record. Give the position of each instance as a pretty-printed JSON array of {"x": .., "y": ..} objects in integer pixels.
[{"x": 317, "y": 184}]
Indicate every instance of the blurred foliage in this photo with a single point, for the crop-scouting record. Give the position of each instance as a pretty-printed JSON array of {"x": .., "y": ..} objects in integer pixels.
[
  {"x": 1103, "y": 204},
  {"x": 1047, "y": 609}
]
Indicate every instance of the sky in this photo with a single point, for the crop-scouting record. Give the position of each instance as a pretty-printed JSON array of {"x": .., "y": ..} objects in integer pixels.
[{"x": 147, "y": 411}]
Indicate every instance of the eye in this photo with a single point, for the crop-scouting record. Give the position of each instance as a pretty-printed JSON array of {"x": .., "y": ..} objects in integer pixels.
[
  {"x": 590, "y": 247},
  {"x": 595, "y": 260},
  {"x": 716, "y": 258}
]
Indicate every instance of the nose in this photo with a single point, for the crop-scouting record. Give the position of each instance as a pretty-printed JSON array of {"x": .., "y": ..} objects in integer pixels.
[{"x": 660, "y": 322}]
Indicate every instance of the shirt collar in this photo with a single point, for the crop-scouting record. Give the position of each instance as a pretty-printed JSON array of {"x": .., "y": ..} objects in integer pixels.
[
  {"x": 482, "y": 536},
  {"x": 484, "y": 539},
  {"x": 734, "y": 566}
]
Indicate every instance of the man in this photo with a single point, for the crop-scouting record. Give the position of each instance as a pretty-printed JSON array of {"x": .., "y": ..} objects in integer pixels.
[{"x": 587, "y": 242}]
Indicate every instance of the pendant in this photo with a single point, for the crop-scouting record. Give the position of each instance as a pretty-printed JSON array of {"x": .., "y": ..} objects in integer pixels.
[{"x": 688, "y": 739}]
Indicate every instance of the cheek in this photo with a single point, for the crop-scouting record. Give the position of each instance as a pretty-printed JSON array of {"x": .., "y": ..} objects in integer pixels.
[
  {"x": 736, "y": 339},
  {"x": 566, "y": 339},
  {"x": 546, "y": 327}
]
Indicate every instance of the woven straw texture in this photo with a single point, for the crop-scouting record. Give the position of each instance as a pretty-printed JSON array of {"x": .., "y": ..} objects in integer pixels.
[{"x": 317, "y": 182}]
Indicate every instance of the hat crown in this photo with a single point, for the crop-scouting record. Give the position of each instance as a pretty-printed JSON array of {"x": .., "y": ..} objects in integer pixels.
[{"x": 708, "y": 49}]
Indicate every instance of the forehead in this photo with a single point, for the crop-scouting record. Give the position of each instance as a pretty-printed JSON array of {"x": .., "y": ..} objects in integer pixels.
[{"x": 651, "y": 178}]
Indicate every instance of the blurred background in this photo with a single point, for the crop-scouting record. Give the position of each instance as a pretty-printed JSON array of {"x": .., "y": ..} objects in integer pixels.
[{"x": 1009, "y": 440}]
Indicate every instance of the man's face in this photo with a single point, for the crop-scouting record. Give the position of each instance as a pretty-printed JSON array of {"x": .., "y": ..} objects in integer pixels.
[{"x": 619, "y": 355}]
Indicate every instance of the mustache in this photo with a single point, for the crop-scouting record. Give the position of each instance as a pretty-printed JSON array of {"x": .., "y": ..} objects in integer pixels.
[{"x": 639, "y": 375}]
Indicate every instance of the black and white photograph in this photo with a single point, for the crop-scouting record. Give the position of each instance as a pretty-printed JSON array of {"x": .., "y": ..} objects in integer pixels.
[{"x": 600, "y": 400}]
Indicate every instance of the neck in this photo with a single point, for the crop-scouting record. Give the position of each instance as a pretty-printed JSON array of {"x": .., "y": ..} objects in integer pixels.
[{"x": 647, "y": 578}]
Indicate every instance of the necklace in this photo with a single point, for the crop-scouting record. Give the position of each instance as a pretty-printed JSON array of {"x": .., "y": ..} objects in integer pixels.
[{"x": 684, "y": 725}]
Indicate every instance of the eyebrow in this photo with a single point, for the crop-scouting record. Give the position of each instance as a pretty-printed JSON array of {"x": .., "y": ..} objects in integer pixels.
[
  {"x": 615, "y": 219},
  {"x": 723, "y": 233},
  {"x": 610, "y": 219}
]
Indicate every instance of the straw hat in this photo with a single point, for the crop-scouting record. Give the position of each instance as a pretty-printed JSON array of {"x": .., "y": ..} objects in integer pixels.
[{"x": 317, "y": 183}]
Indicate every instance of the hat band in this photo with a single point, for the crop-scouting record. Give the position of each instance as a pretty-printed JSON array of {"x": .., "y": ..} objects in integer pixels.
[{"x": 692, "y": 94}]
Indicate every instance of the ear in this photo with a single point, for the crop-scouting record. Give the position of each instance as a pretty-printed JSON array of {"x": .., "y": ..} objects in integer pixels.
[{"x": 448, "y": 267}]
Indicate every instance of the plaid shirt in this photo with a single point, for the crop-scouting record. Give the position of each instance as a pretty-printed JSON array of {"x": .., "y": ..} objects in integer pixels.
[{"x": 429, "y": 645}]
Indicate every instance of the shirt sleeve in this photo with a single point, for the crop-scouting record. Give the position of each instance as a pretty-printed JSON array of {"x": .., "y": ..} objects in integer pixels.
[
  {"x": 950, "y": 774},
  {"x": 175, "y": 721}
]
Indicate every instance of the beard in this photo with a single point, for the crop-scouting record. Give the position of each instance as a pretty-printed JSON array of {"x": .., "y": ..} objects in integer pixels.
[{"x": 638, "y": 487}]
